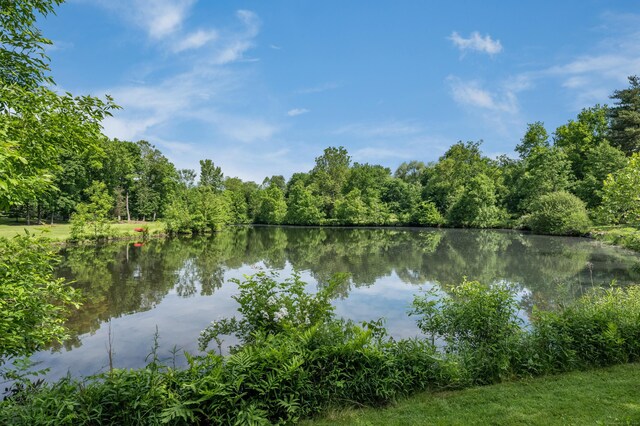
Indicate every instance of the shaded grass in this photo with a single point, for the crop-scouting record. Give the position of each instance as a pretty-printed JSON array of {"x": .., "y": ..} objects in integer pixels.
[
  {"x": 62, "y": 231},
  {"x": 605, "y": 396},
  {"x": 625, "y": 236}
]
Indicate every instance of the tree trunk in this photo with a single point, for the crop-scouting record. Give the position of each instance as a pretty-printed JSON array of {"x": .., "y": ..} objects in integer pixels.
[
  {"x": 28, "y": 214},
  {"x": 39, "y": 207},
  {"x": 52, "y": 212},
  {"x": 126, "y": 202}
]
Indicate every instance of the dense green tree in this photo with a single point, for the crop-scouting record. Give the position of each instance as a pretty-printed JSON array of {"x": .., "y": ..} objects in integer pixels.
[
  {"x": 329, "y": 176},
  {"x": 400, "y": 197},
  {"x": 91, "y": 219},
  {"x": 275, "y": 180},
  {"x": 578, "y": 137},
  {"x": 545, "y": 170},
  {"x": 23, "y": 59},
  {"x": 621, "y": 194},
  {"x": 625, "y": 117},
  {"x": 426, "y": 214},
  {"x": 410, "y": 172},
  {"x": 302, "y": 207},
  {"x": 352, "y": 209},
  {"x": 121, "y": 167},
  {"x": 366, "y": 177},
  {"x": 477, "y": 205},
  {"x": 599, "y": 162},
  {"x": 155, "y": 182},
  {"x": 272, "y": 206},
  {"x": 211, "y": 175},
  {"x": 535, "y": 138},
  {"x": 444, "y": 182}
]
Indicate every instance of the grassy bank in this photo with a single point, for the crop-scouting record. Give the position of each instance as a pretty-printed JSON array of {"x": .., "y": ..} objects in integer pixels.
[
  {"x": 624, "y": 236},
  {"x": 62, "y": 231},
  {"x": 606, "y": 396}
]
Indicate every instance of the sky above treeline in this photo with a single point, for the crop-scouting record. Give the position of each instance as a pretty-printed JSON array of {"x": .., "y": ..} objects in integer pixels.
[{"x": 262, "y": 87}]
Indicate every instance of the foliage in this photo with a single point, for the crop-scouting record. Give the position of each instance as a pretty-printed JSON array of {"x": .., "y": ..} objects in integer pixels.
[
  {"x": 272, "y": 206},
  {"x": 476, "y": 206},
  {"x": 625, "y": 117},
  {"x": 210, "y": 175},
  {"x": 479, "y": 325},
  {"x": 427, "y": 214},
  {"x": 94, "y": 214},
  {"x": 558, "y": 213},
  {"x": 33, "y": 304},
  {"x": 302, "y": 207},
  {"x": 621, "y": 194},
  {"x": 288, "y": 368},
  {"x": 600, "y": 162},
  {"x": 273, "y": 307}
]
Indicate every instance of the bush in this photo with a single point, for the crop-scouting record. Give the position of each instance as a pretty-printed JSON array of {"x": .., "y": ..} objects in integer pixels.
[
  {"x": 427, "y": 214},
  {"x": 558, "y": 213},
  {"x": 477, "y": 323}
]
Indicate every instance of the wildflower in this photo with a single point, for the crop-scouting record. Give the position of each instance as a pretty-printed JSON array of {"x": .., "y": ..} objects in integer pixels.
[{"x": 281, "y": 314}]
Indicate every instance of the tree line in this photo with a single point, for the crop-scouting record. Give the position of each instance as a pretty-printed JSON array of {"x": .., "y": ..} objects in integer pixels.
[{"x": 587, "y": 167}]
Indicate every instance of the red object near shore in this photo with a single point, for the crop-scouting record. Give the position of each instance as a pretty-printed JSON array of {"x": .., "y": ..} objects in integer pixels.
[
  {"x": 138, "y": 229},
  {"x": 138, "y": 244}
]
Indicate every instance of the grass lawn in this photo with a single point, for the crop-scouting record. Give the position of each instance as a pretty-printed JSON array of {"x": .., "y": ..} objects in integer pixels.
[
  {"x": 62, "y": 231},
  {"x": 608, "y": 396}
]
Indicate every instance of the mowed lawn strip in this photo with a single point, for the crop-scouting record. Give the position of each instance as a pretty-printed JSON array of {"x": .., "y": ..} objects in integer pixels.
[
  {"x": 62, "y": 231},
  {"x": 609, "y": 396}
]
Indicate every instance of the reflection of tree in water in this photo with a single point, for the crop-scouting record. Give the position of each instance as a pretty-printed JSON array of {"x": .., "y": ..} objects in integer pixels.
[{"x": 119, "y": 279}]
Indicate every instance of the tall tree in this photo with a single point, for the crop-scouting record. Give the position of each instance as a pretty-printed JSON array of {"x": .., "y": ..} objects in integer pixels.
[
  {"x": 625, "y": 117},
  {"x": 329, "y": 176},
  {"x": 210, "y": 175}
]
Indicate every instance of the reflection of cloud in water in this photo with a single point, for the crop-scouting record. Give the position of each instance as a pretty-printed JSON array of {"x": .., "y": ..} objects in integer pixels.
[{"x": 390, "y": 299}]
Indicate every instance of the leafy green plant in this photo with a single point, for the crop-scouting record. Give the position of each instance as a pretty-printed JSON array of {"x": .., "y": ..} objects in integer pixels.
[
  {"x": 559, "y": 213},
  {"x": 33, "y": 304},
  {"x": 477, "y": 323}
]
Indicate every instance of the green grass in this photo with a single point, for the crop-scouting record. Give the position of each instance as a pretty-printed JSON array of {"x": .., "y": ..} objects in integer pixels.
[
  {"x": 62, "y": 231},
  {"x": 625, "y": 236},
  {"x": 608, "y": 396}
]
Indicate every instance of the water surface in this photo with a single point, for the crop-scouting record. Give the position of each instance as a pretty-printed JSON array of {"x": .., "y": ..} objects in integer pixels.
[{"x": 180, "y": 285}]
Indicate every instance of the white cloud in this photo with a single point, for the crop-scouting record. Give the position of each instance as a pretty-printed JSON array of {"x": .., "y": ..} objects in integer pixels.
[
  {"x": 159, "y": 18},
  {"x": 318, "y": 89},
  {"x": 470, "y": 93},
  {"x": 390, "y": 129},
  {"x": 198, "y": 95},
  {"x": 477, "y": 43},
  {"x": 297, "y": 111},
  {"x": 195, "y": 40}
]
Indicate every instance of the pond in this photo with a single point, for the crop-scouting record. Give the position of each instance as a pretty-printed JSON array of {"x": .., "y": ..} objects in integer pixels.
[{"x": 177, "y": 286}]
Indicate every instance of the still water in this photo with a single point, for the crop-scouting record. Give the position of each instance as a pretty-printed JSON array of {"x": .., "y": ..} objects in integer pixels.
[{"x": 179, "y": 285}]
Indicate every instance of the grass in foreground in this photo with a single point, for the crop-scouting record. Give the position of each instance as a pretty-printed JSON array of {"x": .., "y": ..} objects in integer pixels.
[
  {"x": 62, "y": 231},
  {"x": 606, "y": 396}
]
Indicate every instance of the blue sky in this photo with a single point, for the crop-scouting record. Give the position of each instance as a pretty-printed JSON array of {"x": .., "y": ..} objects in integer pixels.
[{"x": 262, "y": 87}]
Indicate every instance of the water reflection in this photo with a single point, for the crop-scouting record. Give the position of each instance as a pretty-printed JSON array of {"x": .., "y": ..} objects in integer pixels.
[{"x": 182, "y": 284}]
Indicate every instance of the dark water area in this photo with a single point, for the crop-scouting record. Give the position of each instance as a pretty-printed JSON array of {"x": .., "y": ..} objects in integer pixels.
[{"x": 180, "y": 285}]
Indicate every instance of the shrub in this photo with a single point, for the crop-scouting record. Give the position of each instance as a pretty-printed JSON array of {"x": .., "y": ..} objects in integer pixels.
[
  {"x": 478, "y": 325},
  {"x": 427, "y": 214},
  {"x": 558, "y": 213}
]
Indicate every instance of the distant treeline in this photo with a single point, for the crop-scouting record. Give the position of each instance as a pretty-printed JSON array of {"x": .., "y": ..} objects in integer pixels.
[{"x": 588, "y": 166}]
